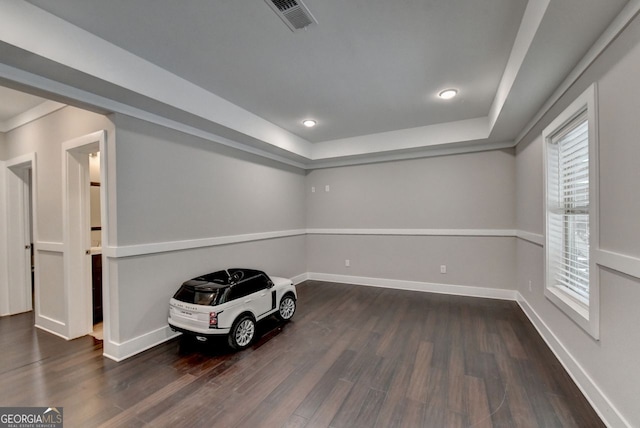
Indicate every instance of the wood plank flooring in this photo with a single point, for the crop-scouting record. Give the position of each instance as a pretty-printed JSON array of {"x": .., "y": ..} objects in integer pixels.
[{"x": 353, "y": 356}]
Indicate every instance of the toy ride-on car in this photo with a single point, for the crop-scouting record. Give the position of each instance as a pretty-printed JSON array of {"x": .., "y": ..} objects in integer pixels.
[{"x": 230, "y": 302}]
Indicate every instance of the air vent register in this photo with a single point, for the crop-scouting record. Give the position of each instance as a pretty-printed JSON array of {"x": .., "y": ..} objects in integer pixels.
[{"x": 293, "y": 13}]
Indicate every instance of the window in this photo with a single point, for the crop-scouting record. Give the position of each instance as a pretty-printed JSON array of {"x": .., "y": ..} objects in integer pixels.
[
  {"x": 248, "y": 286},
  {"x": 200, "y": 295},
  {"x": 570, "y": 144},
  {"x": 256, "y": 283}
]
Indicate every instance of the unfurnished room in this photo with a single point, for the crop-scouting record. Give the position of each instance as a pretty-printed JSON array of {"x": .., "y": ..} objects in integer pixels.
[{"x": 304, "y": 213}]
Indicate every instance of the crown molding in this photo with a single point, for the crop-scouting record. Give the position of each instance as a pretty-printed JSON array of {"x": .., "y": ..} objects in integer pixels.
[
  {"x": 180, "y": 105},
  {"x": 624, "y": 18}
]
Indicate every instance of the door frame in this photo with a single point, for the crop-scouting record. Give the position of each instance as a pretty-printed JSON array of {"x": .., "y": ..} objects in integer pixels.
[{"x": 77, "y": 229}]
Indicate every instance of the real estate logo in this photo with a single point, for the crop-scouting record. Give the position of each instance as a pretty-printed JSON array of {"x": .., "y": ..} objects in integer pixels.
[{"x": 31, "y": 417}]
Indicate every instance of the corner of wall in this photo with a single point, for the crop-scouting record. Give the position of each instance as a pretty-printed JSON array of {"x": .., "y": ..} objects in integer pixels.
[{"x": 121, "y": 351}]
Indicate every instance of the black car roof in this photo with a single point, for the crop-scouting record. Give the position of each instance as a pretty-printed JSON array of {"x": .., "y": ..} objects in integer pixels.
[{"x": 229, "y": 276}]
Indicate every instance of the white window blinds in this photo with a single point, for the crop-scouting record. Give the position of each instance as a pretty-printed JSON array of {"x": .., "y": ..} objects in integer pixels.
[{"x": 568, "y": 208}]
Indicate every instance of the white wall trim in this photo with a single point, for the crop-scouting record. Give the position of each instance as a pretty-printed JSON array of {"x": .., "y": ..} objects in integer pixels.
[
  {"x": 300, "y": 278},
  {"x": 51, "y": 325},
  {"x": 297, "y": 151},
  {"x": 48, "y": 85},
  {"x": 399, "y": 155},
  {"x": 20, "y": 160},
  {"x": 76, "y": 229},
  {"x": 427, "y": 287},
  {"x": 163, "y": 247},
  {"x": 420, "y": 137},
  {"x": 35, "y": 113},
  {"x": 529, "y": 26},
  {"x": 587, "y": 316},
  {"x": 121, "y": 351},
  {"x": 416, "y": 232},
  {"x": 628, "y": 265},
  {"x": 534, "y": 238},
  {"x": 596, "y": 397},
  {"x": 52, "y": 247},
  {"x": 189, "y": 244}
]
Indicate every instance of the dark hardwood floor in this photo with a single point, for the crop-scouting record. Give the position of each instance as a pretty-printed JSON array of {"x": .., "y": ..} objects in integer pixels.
[{"x": 353, "y": 356}]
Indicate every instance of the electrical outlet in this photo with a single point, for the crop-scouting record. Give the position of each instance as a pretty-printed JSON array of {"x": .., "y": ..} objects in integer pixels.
[
  {"x": 327, "y": 188},
  {"x": 529, "y": 285},
  {"x": 313, "y": 189},
  {"x": 347, "y": 262},
  {"x": 443, "y": 268}
]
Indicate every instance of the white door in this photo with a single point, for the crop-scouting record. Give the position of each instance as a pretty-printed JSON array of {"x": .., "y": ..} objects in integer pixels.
[{"x": 19, "y": 235}]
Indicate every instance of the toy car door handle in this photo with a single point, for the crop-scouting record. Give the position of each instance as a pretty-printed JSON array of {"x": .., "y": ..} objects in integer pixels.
[{"x": 247, "y": 301}]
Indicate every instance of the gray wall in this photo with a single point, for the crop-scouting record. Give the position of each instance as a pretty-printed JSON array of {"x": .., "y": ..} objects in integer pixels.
[
  {"x": 611, "y": 362},
  {"x": 459, "y": 192},
  {"x": 175, "y": 187},
  {"x": 468, "y": 191},
  {"x": 3, "y": 155},
  {"x": 171, "y": 188}
]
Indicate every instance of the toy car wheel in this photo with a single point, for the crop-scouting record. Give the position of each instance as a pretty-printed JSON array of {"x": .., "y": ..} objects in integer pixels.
[
  {"x": 287, "y": 308},
  {"x": 242, "y": 332}
]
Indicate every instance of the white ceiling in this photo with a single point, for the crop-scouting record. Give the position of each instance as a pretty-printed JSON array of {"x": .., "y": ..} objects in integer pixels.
[
  {"x": 368, "y": 72},
  {"x": 368, "y": 66},
  {"x": 14, "y": 103}
]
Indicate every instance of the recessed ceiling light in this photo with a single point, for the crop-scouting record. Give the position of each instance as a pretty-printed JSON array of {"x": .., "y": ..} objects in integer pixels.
[
  {"x": 447, "y": 94},
  {"x": 309, "y": 123}
]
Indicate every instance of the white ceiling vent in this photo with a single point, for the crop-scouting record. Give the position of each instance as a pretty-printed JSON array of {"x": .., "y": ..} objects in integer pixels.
[{"x": 293, "y": 12}]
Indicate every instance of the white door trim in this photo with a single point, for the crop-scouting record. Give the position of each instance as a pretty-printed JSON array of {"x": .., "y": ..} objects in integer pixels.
[
  {"x": 4, "y": 211},
  {"x": 76, "y": 230}
]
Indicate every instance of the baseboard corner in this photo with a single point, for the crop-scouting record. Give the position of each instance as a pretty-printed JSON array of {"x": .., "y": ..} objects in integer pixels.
[{"x": 121, "y": 351}]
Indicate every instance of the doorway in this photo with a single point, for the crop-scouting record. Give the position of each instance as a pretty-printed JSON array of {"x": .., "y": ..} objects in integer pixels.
[
  {"x": 22, "y": 262},
  {"x": 96, "y": 243},
  {"x": 83, "y": 239}
]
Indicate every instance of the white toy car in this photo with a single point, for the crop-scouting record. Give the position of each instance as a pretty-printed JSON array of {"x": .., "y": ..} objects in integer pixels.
[{"x": 230, "y": 302}]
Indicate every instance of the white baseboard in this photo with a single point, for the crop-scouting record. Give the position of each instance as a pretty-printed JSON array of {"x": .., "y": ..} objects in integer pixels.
[
  {"x": 55, "y": 327},
  {"x": 458, "y": 290},
  {"x": 598, "y": 400},
  {"x": 121, "y": 351},
  {"x": 510, "y": 233},
  {"x": 300, "y": 278}
]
